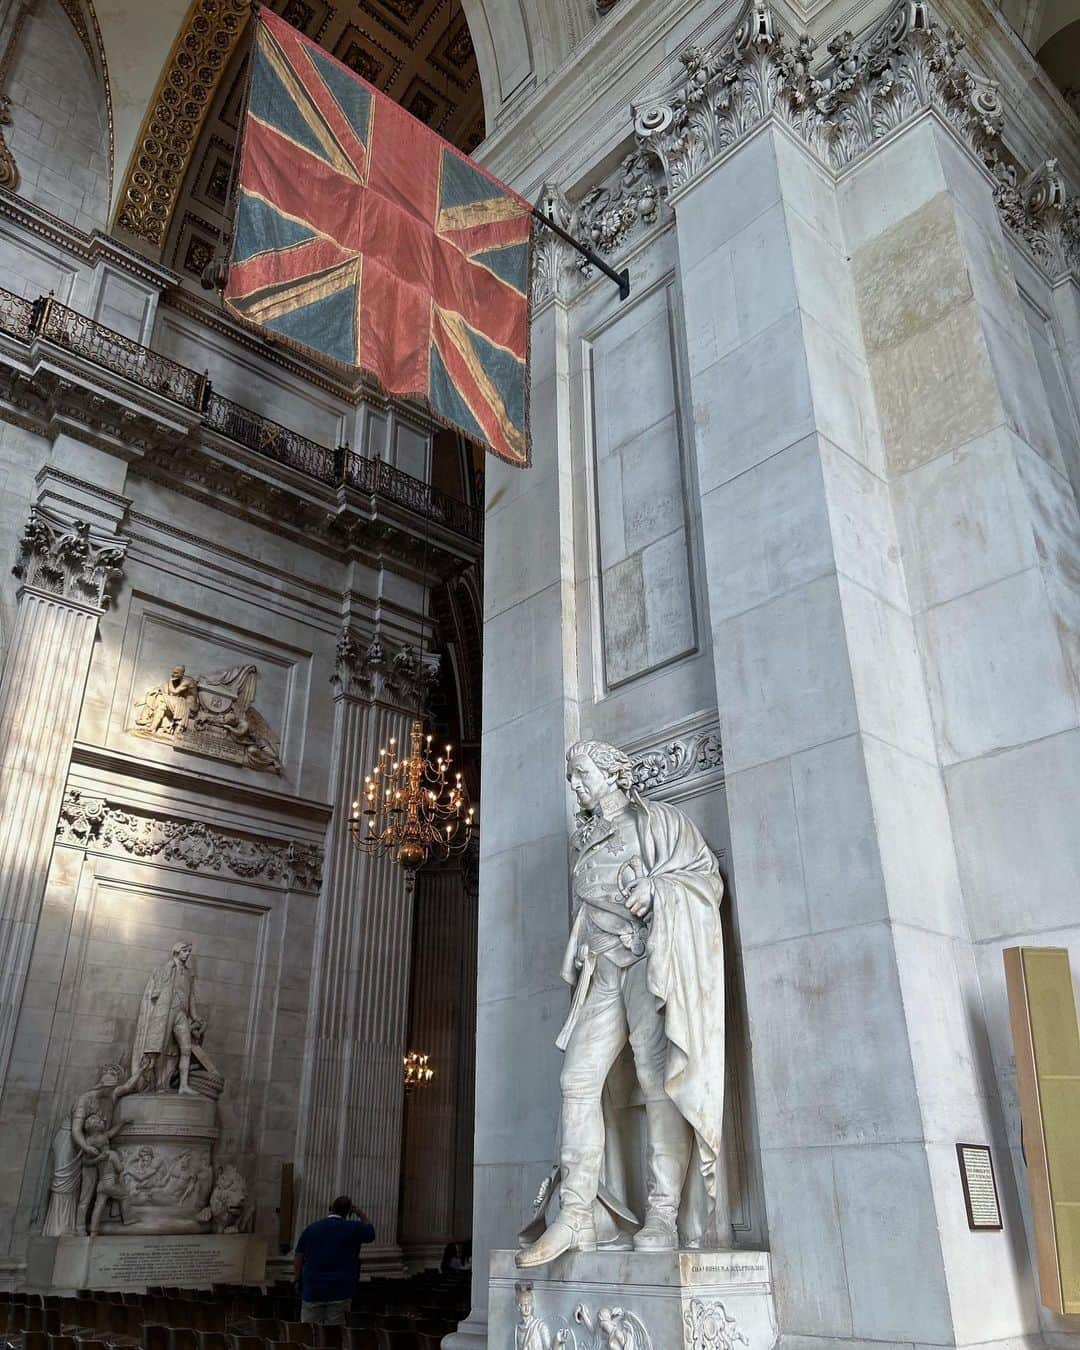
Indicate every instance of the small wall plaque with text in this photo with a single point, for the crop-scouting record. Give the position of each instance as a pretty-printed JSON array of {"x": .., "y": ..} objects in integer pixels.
[{"x": 980, "y": 1187}]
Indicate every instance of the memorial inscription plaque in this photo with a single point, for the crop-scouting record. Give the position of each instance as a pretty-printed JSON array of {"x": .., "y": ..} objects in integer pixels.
[{"x": 980, "y": 1187}]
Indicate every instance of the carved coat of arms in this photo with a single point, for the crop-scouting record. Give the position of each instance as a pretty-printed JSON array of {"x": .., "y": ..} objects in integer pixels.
[{"x": 212, "y": 714}]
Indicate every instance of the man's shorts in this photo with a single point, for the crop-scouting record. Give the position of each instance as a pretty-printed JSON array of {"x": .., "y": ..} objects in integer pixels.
[{"x": 327, "y": 1314}]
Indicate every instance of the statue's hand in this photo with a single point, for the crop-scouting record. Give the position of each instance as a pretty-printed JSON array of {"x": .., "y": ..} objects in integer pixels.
[
  {"x": 580, "y": 955},
  {"x": 639, "y": 901}
]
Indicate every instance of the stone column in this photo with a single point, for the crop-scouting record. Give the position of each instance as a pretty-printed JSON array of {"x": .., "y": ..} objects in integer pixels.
[
  {"x": 869, "y": 1051},
  {"x": 353, "y": 1093},
  {"x": 530, "y": 716},
  {"x": 64, "y": 568}
]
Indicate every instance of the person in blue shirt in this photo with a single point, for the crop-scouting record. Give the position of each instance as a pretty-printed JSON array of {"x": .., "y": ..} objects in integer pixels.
[{"x": 326, "y": 1262}]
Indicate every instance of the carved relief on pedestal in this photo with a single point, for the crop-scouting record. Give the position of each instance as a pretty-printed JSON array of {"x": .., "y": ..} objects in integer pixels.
[
  {"x": 67, "y": 559},
  {"x": 212, "y": 715},
  {"x": 610, "y": 1329},
  {"x": 709, "y": 1326}
]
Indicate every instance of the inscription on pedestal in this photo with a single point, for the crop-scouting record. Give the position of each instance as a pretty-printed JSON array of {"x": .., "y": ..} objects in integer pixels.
[{"x": 135, "y": 1262}]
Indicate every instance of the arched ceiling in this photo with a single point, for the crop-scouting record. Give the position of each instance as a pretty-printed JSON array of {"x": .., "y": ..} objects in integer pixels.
[{"x": 173, "y": 66}]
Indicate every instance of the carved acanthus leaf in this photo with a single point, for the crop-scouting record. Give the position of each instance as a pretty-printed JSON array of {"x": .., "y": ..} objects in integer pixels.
[
  {"x": 692, "y": 755},
  {"x": 66, "y": 558},
  {"x": 94, "y": 822},
  {"x": 1043, "y": 213},
  {"x": 552, "y": 257}
]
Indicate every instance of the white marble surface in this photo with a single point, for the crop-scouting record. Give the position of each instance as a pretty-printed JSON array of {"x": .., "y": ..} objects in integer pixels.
[{"x": 672, "y": 1300}]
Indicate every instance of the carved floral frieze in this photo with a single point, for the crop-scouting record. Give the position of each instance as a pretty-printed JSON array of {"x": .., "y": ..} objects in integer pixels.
[
  {"x": 94, "y": 822},
  {"x": 679, "y": 760},
  {"x": 67, "y": 559}
]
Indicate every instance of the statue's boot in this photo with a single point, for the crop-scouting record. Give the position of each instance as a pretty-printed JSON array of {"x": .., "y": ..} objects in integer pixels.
[
  {"x": 573, "y": 1228},
  {"x": 668, "y": 1156}
]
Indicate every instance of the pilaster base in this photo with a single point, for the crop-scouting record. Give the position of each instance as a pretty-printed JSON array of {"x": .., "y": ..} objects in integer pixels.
[{"x": 658, "y": 1301}]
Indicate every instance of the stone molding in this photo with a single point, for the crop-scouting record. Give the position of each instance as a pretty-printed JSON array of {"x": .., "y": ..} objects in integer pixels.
[
  {"x": 679, "y": 760},
  {"x": 67, "y": 560},
  {"x": 92, "y": 822},
  {"x": 866, "y": 88},
  {"x": 380, "y": 672}
]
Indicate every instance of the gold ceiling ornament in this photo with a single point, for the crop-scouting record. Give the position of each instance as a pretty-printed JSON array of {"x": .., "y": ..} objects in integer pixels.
[
  {"x": 207, "y": 39},
  {"x": 412, "y": 807}
]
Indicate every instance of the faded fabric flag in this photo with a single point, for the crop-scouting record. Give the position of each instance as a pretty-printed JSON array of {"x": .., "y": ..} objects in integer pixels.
[{"x": 364, "y": 238}]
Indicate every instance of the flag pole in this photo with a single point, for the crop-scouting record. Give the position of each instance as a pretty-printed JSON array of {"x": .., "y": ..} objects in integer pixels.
[{"x": 621, "y": 279}]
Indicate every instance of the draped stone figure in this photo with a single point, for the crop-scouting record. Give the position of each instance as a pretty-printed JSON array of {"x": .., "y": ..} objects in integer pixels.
[
  {"x": 645, "y": 958},
  {"x": 168, "y": 1021},
  {"x": 75, "y": 1157}
]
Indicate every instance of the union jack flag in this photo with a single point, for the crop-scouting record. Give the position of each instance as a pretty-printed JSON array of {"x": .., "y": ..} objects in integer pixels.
[{"x": 363, "y": 237}]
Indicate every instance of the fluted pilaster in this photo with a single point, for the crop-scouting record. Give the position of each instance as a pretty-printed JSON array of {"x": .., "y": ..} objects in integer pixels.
[
  {"x": 65, "y": 571},
  {"x": 353, "y": 1096}
]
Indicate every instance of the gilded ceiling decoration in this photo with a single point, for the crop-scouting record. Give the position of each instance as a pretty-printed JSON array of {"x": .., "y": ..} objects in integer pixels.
[
  {"x": 419, "y": 52},
  {"x": 199, "y": 57}
]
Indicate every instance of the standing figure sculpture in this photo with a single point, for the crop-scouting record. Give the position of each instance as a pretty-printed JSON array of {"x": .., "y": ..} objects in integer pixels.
[
  {"x": 645, "y": 958},
  {"x": 168, "y": 1020},
  {"x": 75, "y": 1155}
]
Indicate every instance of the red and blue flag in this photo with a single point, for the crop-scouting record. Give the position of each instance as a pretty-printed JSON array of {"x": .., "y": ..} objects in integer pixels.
[{"x": 364, "y": 238}]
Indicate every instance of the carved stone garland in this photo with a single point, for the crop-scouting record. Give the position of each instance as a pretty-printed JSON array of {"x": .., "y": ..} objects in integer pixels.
[
  {"x": 66, "y": 559},
  {"x": 709, "y": 1326},
  {"x": 94, "y": 822}
]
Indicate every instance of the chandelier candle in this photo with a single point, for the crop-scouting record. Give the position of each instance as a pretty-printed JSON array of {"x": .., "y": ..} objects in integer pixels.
[{"x": 412, "y": 806}]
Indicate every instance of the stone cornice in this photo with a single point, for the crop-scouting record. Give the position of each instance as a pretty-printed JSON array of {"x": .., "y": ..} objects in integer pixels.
[{"x": 89, "y": 248}]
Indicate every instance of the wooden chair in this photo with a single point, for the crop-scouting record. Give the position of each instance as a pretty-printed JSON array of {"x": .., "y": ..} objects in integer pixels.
[{"x": 396, "y": 1338}]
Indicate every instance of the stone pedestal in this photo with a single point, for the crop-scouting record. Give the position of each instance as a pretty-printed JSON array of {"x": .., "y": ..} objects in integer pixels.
[
  {"x": 165, "y": 1144},
  {"x": 60, "y": 1265},
  {"x": 686, "y": 1300}
]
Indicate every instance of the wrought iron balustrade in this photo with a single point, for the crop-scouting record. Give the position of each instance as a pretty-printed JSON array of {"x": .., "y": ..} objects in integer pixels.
[
  {"x": 104, "y": 346},
  {"x": 269, "y": 438},
  {"x": 47, "y": 319},
  {"x": 16, "y": 315}
]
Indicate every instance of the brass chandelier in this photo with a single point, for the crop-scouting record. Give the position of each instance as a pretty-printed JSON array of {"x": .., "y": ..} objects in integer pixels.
[{"x": 414, "y": 807}]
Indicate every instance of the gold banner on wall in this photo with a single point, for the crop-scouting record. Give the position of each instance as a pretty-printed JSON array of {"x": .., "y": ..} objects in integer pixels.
[{"x": 1046, "y": 1042}]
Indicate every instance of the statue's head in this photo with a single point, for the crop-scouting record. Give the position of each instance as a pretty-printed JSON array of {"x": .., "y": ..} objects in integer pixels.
[
  {"x": 178, "y": 672},
  {"x": 523, "y": 1293},
  {"x": 182, "y": 951},
  {"x": 593, "y": 769},
  {"x": 110, "y": 1074}
]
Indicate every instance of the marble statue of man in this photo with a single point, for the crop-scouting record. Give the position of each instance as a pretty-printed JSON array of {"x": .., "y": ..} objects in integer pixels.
[
  {"x": 645, "y": 958},
  {"x": 167, "y": 1017}
]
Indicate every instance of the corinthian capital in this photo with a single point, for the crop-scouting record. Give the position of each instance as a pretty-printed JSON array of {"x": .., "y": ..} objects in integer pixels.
[
  {"x": 372, "y": 669},
  {"x": 66, "y": 558}
]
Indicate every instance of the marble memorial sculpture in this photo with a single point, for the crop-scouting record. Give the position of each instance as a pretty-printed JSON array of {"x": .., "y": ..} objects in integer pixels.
[
  {"x": 611, "y": 1328},
  {"x": 152, "y": 1171},
  {"x": 213, "y": 715},
  {"x": 646, "y": 1024},
  {"x": 75, "y": 1159}
]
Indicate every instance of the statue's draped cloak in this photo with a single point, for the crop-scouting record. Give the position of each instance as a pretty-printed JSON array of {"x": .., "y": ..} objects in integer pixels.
[
  {"x": 685, "y": 953},
  {"x": 169, "y": 987}
]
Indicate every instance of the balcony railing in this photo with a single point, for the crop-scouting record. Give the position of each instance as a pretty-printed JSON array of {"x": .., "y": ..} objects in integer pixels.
[{"x": 46, "y": 319}]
